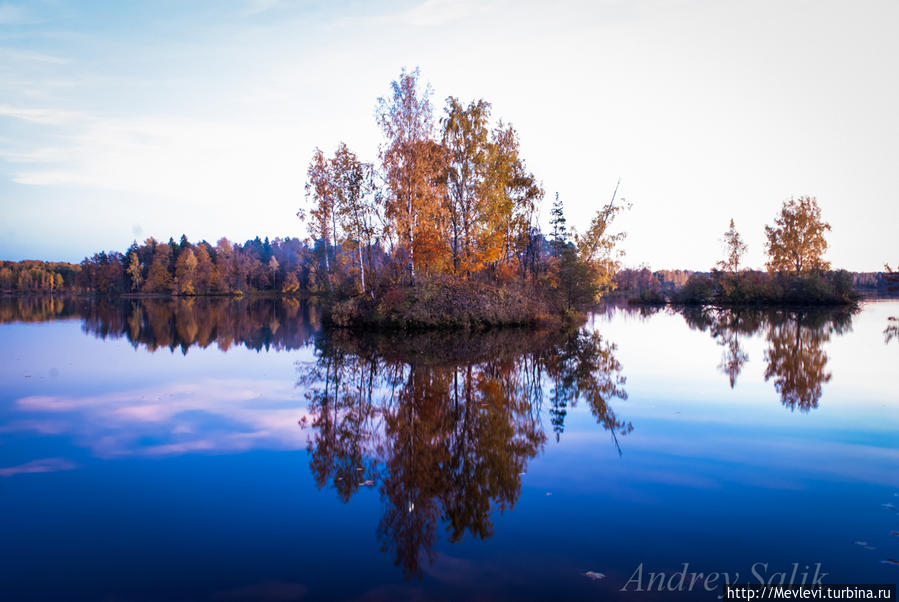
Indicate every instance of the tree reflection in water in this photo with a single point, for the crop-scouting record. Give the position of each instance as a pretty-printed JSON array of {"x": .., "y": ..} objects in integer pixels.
[
  {"x": 797, "y": 362},
  {"x": 177, "y": 323},
  {"x": 727, "y": 326},
  {"x": 444, "y": 424},
  {"x": 796, "y": 358},
  {"x": 892, "y": 330}
]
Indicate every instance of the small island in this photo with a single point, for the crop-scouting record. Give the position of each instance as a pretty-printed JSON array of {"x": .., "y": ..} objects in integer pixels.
[{"x": 797, "y": 274}]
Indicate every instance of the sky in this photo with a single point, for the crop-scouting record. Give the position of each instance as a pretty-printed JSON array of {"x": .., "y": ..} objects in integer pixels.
[{"x": 120, "y": 120}]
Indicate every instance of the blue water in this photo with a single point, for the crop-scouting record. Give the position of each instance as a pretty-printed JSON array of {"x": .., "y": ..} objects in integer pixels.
[{"x": 232, "y": 450}]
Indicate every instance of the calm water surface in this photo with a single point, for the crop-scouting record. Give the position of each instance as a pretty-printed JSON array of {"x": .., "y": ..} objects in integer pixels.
[{"x": 232, "y": 450}]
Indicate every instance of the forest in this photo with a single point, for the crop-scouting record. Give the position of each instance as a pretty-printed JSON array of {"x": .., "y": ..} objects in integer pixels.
[
  {"x": 170, "y": 268},
  {"x": 442, "y": 229}
]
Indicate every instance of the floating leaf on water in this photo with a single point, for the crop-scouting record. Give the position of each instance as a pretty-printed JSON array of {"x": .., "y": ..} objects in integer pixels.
[{"x": 594, "y": 575}]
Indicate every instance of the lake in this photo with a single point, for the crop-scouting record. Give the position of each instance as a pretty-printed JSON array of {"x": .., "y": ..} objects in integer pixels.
[{"x": 217, "y": 449}]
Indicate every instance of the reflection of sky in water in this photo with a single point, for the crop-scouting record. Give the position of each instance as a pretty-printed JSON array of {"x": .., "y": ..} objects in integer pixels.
[
  {"x": 114, "y": 400},
  {"x": 193, "y": 467}
]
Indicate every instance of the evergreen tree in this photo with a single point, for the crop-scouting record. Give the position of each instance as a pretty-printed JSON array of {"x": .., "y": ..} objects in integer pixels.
[{"x": 559, "y": 229}]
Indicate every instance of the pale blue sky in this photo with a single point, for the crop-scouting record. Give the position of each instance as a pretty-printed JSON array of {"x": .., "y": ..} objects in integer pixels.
[{"x": 120, "y": 121}]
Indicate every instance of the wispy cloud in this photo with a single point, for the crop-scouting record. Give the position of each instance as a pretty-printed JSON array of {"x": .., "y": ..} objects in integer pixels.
[
  {"x": 11, "y": 54},
  {"x": 36, "y": 466},
  {"x": 42, "y": 116},
  {"x": 210, "y": 416},
  {"x": 46, "y": 154},
  {"x": 163, "y": 156}
]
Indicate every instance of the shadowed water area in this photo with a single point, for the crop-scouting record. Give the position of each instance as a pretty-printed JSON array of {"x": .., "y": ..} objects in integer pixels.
[{"x": 219, "y": 449}]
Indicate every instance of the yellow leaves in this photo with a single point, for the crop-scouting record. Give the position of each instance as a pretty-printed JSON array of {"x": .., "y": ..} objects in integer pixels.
[
  {"x": 597, "y": 247},
  {"x": 796, "y": 241},
  {"x": 461, "y": 204}
]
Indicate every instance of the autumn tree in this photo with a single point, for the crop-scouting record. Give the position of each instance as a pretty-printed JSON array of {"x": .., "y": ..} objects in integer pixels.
[
  {"x": 159, "y": 278},
  {"x": 185, "y": 272},
  {"x": 734, "y": 249},
  {"x": 133, "y": 271},
  {"x": 465, "y": 139},
  {"x": 205, "y": 271},
  {"x": 796, "y": 241},
  {"x": 597, "y": 246},
  {"x": 411, "y": 161},
  {"x": 223, "y": 276},
  {"x": 511, "y": 194},
  {"x": 355, "y": 206},
  {"x": 291, "y": 283},
  {"x": 320, "y": 193},
  {"x": 490, "y": 197}
]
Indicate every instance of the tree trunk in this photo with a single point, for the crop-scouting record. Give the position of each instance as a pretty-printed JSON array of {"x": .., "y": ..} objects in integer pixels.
[{"x": 361, "y": 265}]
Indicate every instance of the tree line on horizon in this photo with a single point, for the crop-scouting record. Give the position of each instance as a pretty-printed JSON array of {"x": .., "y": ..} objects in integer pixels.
[
  {"x": 292, "y": 265},
  {"x": 449, "y": 199},
  {"x": 179, "y": 268}
]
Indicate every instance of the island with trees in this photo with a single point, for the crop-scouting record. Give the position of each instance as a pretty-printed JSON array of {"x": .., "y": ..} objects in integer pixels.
[
  {"x": 442, "y": 230},
  {"x": 797, "y": 273}
]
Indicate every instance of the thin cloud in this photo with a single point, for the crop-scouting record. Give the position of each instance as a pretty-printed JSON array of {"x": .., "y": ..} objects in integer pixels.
[
  {"x": 166, "y": 157},
  {"x": 42, "y": 116},
  {"x": 37, "y": 155},
  {"x": 38, "y": 57},
  {"x": 37, "y": 466},
  {"x": 246, "y": 414}
]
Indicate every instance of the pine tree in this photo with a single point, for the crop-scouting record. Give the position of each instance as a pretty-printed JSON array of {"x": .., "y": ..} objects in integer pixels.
[{"x": 559, "y": 230}]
